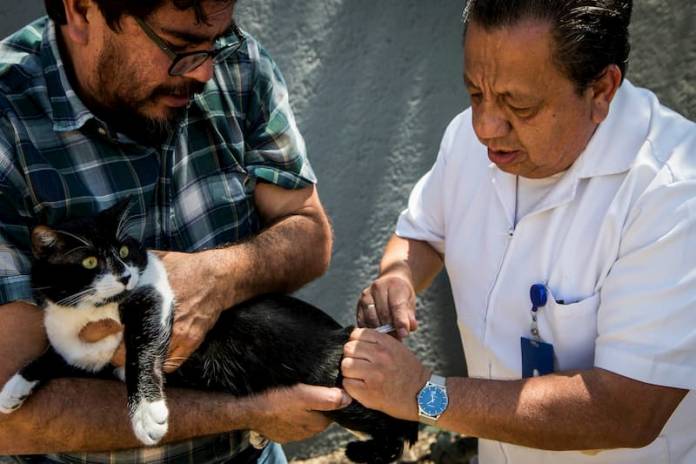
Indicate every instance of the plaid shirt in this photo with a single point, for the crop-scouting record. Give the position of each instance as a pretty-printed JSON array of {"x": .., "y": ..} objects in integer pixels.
[{"x": 58, "y": 160}]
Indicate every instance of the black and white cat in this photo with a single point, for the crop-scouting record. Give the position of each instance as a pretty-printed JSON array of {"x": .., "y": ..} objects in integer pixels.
[
  {"x": 86, "y": 270},
  {"x": 83, "y": 272}
]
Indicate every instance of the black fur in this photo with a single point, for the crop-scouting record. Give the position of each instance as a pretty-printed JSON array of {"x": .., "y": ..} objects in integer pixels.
[
  {"x": 59, "y": 276},
  {"x": 270, "y": 341},
  {"x": 146, "y": 345},
  {"x": 278, "y": 340}
]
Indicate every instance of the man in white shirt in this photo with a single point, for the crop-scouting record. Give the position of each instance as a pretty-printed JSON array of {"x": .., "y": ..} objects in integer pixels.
[{"x": 563, "y": 206}]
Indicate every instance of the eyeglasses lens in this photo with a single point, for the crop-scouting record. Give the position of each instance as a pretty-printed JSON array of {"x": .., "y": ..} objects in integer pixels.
[{"x": 188, "y": 63}]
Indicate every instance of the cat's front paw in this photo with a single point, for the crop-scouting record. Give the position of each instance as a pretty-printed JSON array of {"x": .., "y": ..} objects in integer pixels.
[
  {"x": 150, "y": 421},
  {"x": 14, "y": 393}
]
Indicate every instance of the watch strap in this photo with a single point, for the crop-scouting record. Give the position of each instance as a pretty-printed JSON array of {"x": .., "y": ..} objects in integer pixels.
[
  {"x": 438, "y": 380},
  {"x": 427, "y": 419}
]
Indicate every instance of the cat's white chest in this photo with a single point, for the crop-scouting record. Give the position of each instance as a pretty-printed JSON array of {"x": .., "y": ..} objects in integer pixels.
[{"x": 63, "y": 326}]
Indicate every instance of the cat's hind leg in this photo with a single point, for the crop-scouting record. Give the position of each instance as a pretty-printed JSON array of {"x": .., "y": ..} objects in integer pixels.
[
  {"x": 146, "y": 336},
  {"x": 47, "y": 366}
]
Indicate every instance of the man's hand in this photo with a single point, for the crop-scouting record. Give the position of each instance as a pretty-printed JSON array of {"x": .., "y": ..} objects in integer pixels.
[
  {"x": 197, "y": 306},
  {"x": 291, "y": 414},
  {"x": 381, "y": 373},
  {"x": 390, "y": 299}
]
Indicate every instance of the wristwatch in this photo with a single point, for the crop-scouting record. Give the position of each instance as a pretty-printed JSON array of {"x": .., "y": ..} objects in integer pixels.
[{"x": 432, "y": 400}]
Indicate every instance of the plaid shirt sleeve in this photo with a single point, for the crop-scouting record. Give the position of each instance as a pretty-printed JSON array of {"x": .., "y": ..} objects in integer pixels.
[
  {"x": 15, "y": 220},
  {"x": 275, "y": 149}
]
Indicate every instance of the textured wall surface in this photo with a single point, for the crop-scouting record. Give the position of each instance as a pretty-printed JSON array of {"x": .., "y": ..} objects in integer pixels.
[{"x": 374, "y": 84}]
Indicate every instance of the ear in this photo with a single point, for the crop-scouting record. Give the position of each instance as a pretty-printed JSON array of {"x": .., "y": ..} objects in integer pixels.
[
  {"x": 43, "y": 240},
  {"x": 603, "y": 91},
  {"x": 77, "y": 25}
]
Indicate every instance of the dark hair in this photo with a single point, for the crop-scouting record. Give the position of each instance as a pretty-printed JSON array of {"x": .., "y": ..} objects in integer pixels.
[
  {"x": 589, "y": 35},
  {"x": 113, "y": 10}
]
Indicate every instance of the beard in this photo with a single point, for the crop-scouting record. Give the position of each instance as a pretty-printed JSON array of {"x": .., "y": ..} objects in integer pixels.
[{"x": 122, "y": 102}]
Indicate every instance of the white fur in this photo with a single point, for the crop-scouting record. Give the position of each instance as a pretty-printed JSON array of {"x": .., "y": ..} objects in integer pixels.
[
  {"x": 63, "y": 326},
  {"x": 120, "y": 373},
  {"x": 156, "y": 275},
  {"x": 150, "y": 421},
  {"x": 64, "y": 323},
  {"x": 14, "y": 393},
  {"x": 105, "y": 286}
]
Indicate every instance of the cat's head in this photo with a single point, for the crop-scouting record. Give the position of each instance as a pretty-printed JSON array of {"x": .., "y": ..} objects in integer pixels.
[{"x": 86, "y": 261}]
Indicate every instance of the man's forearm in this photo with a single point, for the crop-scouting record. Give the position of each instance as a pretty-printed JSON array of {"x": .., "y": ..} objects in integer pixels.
[
  {"x": 282, "y": 258},
  {"x": 418, "y": 259},
  {"x": 91, "y": 415},
  {"x": 593, "y": 409}
]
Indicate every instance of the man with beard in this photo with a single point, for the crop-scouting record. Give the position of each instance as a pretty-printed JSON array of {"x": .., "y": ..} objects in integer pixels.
[
  {"x": 169, "y": 103},
  {"x": 563, "y": 206}
]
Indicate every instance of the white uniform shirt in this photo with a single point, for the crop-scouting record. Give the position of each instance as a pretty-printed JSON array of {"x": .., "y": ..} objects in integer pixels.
[{"x": 614, "y": 240}]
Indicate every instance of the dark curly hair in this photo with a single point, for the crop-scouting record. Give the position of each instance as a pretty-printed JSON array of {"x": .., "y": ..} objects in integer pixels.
[
  {"x": 589, "y": 35},
  {"x": 113, "y": 10}
]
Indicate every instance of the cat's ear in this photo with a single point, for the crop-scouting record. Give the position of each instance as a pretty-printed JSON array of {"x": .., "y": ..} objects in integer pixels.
[
  {"x": 115, "y": 215},
  {"x": 44, "y": 240}
]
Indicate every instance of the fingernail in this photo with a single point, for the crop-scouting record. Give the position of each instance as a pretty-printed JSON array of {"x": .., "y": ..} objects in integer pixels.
[
  {"x": 403, "y": 333},
  {"x": 345, "y": 399}
]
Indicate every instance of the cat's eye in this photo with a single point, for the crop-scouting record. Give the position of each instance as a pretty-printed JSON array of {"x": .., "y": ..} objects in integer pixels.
[
  {"x": 123, "y": 252},
  {"x": 90, "y": 263}
]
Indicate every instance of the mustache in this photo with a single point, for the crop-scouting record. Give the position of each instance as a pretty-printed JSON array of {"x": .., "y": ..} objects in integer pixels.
[{"x": 187, "y": 90}]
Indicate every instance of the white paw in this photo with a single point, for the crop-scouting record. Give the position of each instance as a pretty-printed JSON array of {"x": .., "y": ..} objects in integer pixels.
[
  {"x": 257, "y": 440},
  {"x": 14, "y": 393},
  {"x": 120, "y": 373},
  {"x": 149, "y": 420}
]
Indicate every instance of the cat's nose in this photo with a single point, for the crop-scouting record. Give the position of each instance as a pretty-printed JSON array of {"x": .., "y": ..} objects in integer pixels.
[{"x": 124, "y": 279}]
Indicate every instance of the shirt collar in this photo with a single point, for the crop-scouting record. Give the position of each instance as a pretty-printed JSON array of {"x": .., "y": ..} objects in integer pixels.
[
  {"x": 611, "y": 150},
  {"x": 69, "y": 113},
  {"x": 616, "y": 142}
]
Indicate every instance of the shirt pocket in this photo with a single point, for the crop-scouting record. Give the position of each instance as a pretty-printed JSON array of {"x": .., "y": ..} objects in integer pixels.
[{"x": 572, "y": 330}]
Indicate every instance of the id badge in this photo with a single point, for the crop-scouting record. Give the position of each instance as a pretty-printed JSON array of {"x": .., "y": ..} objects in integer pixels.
[{"x": 537, "y": 357}]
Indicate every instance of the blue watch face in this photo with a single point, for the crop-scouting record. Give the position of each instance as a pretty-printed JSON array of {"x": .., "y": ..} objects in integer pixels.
[{"x": 432, "y": 400}]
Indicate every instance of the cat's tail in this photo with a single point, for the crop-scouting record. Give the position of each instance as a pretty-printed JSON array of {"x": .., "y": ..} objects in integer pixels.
[
  {"x": 382, "y": 450},
  {"x": 388, "y": 435}
]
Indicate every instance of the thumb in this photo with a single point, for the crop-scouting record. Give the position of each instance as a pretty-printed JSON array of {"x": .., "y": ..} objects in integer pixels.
[
  {"x": 324, "y": 398},
  {"x": 97, "y": 330},
  {"x": 402, "y": 318}
]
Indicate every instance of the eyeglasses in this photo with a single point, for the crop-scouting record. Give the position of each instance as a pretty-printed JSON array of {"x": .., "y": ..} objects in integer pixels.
[{"x": 184, "y": 63}]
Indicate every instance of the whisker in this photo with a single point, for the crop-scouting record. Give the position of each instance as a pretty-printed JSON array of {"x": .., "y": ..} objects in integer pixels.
[
  {"x": 123, "y": 229},
  {"x": 74, "y": 298},
  {"x": 74, "y": 250},
  {"x": 123, "y": 220},
  {"x": 79, "y": 239}
]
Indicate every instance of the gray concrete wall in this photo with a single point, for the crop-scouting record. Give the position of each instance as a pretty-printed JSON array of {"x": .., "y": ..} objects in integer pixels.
[{"x": 373, "y": 84}]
